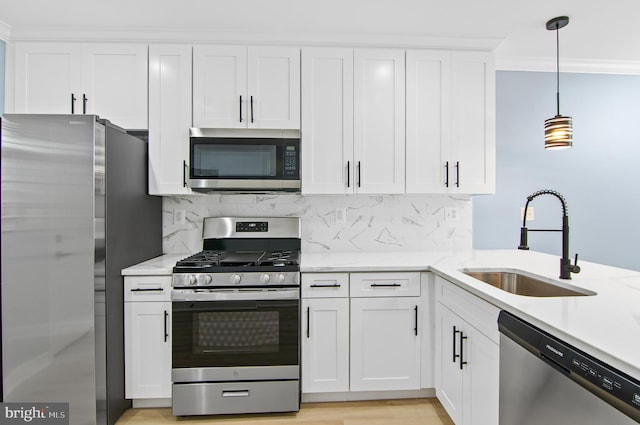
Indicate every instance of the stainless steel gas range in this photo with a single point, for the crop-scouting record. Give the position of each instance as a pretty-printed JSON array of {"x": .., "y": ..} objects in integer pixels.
[{"x": 236, "y": 327}]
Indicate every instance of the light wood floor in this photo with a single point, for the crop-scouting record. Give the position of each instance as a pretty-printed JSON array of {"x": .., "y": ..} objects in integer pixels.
[{"x": 424, "y": 411}]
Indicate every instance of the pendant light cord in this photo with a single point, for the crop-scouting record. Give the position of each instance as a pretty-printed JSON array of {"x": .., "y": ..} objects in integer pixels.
[{"x": 558, "y": 68}]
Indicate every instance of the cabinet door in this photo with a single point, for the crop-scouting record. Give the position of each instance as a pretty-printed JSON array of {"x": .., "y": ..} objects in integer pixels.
[
  {"x": 115, "y": 83},
  {"x": 325, "y": 345},
  {"x": 169, "y": 118},
  {"x": 428, "y": 121},
  {"x": 147, "y": 350},
  {"x": 220, "y": 86},
  {"x": 327, "y": 121},
  {"x": 385, "y": 346},
  {"x": 274, "y": 87},
  {"x": 47, "y": 78},
  {"x": 473, "y": 122},
  {"x": 481, "y": 379},
  {"x": 379, "y": 120},
  {"x": 448, "y": 375}
]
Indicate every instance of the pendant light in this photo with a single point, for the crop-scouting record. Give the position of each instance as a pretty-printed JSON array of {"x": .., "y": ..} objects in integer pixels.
[{"x": 558, "y": 131}]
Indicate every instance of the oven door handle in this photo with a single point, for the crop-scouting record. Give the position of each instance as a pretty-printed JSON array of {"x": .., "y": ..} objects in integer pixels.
[{"x": 284, "y": 294}]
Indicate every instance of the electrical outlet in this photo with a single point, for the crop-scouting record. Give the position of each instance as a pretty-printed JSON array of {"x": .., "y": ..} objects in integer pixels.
[
  {"x": 451, "y": 214},
  {"x": 530, "y": 216},
  {"x": 179, "y": 217},
  {"x": 341, "y": 215}
]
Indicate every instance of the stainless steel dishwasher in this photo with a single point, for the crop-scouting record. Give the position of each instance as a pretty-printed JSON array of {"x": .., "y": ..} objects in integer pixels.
[{"x": 545, "y": 381}]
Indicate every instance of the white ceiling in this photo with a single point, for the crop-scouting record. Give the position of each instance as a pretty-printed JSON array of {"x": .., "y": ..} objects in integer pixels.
[{"x": 599, "y": 32}]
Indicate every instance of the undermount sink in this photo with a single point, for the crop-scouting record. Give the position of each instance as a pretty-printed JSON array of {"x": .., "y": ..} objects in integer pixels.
[{"x": 521, "y": 283}]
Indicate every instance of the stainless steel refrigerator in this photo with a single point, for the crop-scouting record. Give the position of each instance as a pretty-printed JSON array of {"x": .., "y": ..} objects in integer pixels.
[{"x": 75, "y": 211}]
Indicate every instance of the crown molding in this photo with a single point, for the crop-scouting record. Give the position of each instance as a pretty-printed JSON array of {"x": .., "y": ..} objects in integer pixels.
[
  {"x": 586, "y": 66},
  {"x": 243, "y": 37},
  {"x": 5, "y": 31}
]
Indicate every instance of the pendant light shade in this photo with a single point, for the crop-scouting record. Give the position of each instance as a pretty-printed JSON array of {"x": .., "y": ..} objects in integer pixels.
[{"x": 558, "y": 131}]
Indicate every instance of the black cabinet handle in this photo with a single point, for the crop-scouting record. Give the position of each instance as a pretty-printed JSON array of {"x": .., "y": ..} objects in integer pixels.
[
  {"x": 446, "y": 174},
  {"x": 251, "y": 98},
  {"x": 462, "y": 361},
  {"x": 147, "y": 290},
  {"x": 308, "y": 320},
  {"x": 457, "y": 173},
  {"x": 358, "y": 173},
  {"x": 84, "y": 103},
  {"x": 184, "y": 173},
  {"x": 73, "y": 103},
  {"x": 240, "y": 108},
  {"x": 455, "y": 356},
  {"x": 348, "y": 173},
  {"x": 331, "y": 285},
  {"x": 166, "y": 328},
  {"x": 415, "y": 329},
  {"x": 384, "y": 285}
]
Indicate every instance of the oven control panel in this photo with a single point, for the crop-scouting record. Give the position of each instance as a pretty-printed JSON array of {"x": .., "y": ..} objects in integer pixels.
[
  {"x": 252, "y": 226},
  {"x": 186, "y": 280}
]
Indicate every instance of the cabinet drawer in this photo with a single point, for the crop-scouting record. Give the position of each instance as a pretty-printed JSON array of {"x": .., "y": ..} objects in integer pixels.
[
  {"x": 147, "y": 288},
  {"x": 388, "y": 284},
  {"x": 477, "y": 312},
  {"x": 325, "y": 285}
]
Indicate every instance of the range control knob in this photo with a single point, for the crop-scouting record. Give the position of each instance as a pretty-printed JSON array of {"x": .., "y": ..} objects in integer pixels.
[
  {"x": 265, "y": 278},
  {"x": 192, "y": 279},
  {"x": 204, "y": 279},
  {"x": 235, "y": 279},
  {"x": 280, "y": 278}
]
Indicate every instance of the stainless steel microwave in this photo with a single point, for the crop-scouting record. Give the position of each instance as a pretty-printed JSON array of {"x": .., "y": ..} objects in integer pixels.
[{"x": 246, "y": 160}]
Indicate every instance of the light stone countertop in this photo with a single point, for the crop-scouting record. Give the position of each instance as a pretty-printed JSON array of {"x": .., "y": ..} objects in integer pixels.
[
  {"x": 158, "y": 266},
  {"x": 606, "y": 325}
]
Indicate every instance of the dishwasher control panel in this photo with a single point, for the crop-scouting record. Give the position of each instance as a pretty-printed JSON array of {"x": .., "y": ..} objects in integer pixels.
[
  {"x": 607, "y": 382},
  {"x": 585, "y": 367}
]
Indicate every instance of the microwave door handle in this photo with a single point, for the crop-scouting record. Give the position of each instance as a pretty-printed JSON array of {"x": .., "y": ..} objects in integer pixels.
[{"x": 240, "y": 108}]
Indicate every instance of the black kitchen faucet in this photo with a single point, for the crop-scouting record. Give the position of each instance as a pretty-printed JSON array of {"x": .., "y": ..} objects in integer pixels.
[{"x": 566, "y": 268}]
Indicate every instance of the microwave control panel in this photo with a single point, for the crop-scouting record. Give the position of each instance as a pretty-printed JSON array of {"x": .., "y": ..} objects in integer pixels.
[{"x": 290, "y": 168}]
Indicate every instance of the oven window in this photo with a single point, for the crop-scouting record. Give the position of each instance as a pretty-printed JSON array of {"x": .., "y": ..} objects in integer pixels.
[
  {"x": 235, "y": 333},
  {"x": 234, "y": 160}
]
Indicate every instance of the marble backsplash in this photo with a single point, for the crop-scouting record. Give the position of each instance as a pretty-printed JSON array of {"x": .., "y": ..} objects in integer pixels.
[{"x": 370, "y": 223}]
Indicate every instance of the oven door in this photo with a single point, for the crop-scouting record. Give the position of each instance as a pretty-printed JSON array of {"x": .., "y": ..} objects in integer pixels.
[{"x": 227, "y": 335}]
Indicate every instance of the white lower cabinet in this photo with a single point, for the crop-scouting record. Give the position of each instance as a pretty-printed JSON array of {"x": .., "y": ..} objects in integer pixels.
[
  {"x": 325, "y": 332},
  {"x": 467, "y": 356},
  {"x": 147, "y": 336},
  {"x": 361, "y": 332},
  {"x": 325, "y": 345},
  {"x": 385, "y": 344}
]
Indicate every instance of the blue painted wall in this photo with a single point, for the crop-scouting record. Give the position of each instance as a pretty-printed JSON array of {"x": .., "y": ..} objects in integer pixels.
[
  {"x": 2, "y": 67},
  {"x": 599, "y": 176}
]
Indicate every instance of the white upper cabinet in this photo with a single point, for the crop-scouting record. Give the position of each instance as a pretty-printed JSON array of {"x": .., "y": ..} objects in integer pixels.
[
  {"x": 450, "y": 122},
  {"x": 169, "y": 118},
  {"x": 109, "y": 80},
  {"x": 47, "y": 77},
  {"x": 352, "y": 121},
  {"x": 379, "y": 113},
  {"x": 428, "y": 118},
  {"x": 327, "y": 121},
  {"x": 240, "y": 87},
  {"x": 115, "y": 83},
  {"x": 473, "y": 122}
]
